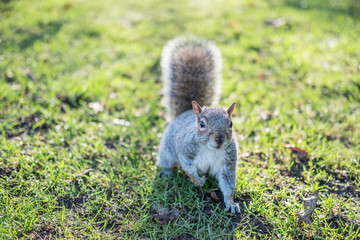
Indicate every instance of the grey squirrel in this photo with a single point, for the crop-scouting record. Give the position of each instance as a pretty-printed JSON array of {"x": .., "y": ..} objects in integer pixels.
[{"x": 199, "y": 139}]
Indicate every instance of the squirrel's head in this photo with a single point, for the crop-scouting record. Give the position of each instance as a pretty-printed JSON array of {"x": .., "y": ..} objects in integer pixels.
[{"x": 214, "y": 125}]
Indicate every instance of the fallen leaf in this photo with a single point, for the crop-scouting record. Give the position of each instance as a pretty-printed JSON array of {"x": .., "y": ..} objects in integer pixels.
[
  {"x": 164, "y": 215},
  {"x": 83, "y": 172},
  {"x": 96, "y": 106},
  {"x": 309, "y": 207},
  {"x": 299, "y": 153},
  {"x": 215, "y": 197},
  {"x": 263, "y": 75}
]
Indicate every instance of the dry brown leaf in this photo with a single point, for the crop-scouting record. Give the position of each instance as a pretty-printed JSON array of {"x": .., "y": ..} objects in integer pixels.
[
  {"x": 263, "y": 75},
  {"x": 309, "y": 207},
  {"x": 214, "y": 197},
  {"x": 299, "y": 153}
]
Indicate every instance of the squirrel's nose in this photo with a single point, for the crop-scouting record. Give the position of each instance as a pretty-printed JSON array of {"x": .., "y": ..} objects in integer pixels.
[{"x": 219, "y": 139}]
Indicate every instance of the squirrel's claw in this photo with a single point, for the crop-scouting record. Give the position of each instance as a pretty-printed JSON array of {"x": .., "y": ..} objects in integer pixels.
[{"x": 233, "y": 208}]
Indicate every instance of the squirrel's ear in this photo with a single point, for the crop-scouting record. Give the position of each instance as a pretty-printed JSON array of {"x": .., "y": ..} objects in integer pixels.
[
  {"x": 197, "y": 109},
  {"x": 231, "y": 109}
]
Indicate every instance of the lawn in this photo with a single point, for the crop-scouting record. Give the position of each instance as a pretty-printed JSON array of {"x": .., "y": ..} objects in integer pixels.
[{"x": 81, "y": 119}]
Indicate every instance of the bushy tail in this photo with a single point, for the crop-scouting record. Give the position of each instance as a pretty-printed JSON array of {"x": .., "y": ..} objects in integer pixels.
[{"x": 191, "y": 70}]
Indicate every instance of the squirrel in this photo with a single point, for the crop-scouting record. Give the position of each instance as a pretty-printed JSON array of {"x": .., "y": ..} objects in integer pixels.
[{"x": 199, "y": 139}]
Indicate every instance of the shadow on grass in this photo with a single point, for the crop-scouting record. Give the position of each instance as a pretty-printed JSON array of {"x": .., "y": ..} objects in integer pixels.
[
  {"x": 47, "y": 32},
  {"x": 201, "y": 210},
  {"x": 27, "y": 37}
]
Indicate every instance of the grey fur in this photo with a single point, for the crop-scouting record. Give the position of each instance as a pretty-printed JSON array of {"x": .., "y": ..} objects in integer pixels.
[
  {"x": 203, "y": 144},
  {"x": 191, "y": 71}
]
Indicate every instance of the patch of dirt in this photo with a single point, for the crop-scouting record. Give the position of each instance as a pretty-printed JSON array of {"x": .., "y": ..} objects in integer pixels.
[
  {"x": 342, "y": 184},
  {"x": 210, "y": 201},
  {"x": 338, "y": 222},
  {"x": 261, "y": 159},
  {"x": 338, "y": 173},
  {"x": 45, "y": 233},
  {"x": 346, "y": 189},
  {"x": 299, "y": 160},
  {"x": 6, "y": 172},
  {"x": 110, "y": 143},
  {"x": 70, "y": 202},
  {"x": 26, "y": 125},
  {"x": 296, "y": 169},
  {"x": 338, "y": 91},
  {"x": 114, "y": 214},
  {"x": 164, "y": 215},
  {"x": 185, "y": 236},
  {"x": 242, "y": 221},
  {"x": 344, "y": 140},
  {"x": 256, "y": 224},
  {"x": 210, "y": 197},
  {"x": 111, "y": 226}
]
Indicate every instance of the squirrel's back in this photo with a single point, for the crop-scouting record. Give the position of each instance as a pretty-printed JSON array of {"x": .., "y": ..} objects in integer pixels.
[{"x": 191, "y": 70}]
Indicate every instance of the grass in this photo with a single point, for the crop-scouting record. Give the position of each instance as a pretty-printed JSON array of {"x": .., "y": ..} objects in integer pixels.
[{"x": 69, "y": 68}]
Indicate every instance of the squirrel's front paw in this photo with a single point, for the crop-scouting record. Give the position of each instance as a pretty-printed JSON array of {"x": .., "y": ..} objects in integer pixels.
[
  {"x": 232, "y": 207},
  {"x": 197, "y": 180}
]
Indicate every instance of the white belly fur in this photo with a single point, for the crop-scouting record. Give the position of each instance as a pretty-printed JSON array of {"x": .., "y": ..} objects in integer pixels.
[{"x": 209, "y": 161}]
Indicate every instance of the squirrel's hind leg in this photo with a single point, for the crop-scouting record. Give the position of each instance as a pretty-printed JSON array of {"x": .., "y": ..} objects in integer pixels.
[{"x": 166, "y": 162}]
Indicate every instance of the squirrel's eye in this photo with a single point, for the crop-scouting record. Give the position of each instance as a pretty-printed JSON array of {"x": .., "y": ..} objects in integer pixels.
[
  {"x": 202, "y": 124},
  {"x": 230, "y": 125}
]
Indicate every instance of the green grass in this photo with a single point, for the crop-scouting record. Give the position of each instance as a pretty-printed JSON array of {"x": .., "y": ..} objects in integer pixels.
[{"x": 297, "y": 84}]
